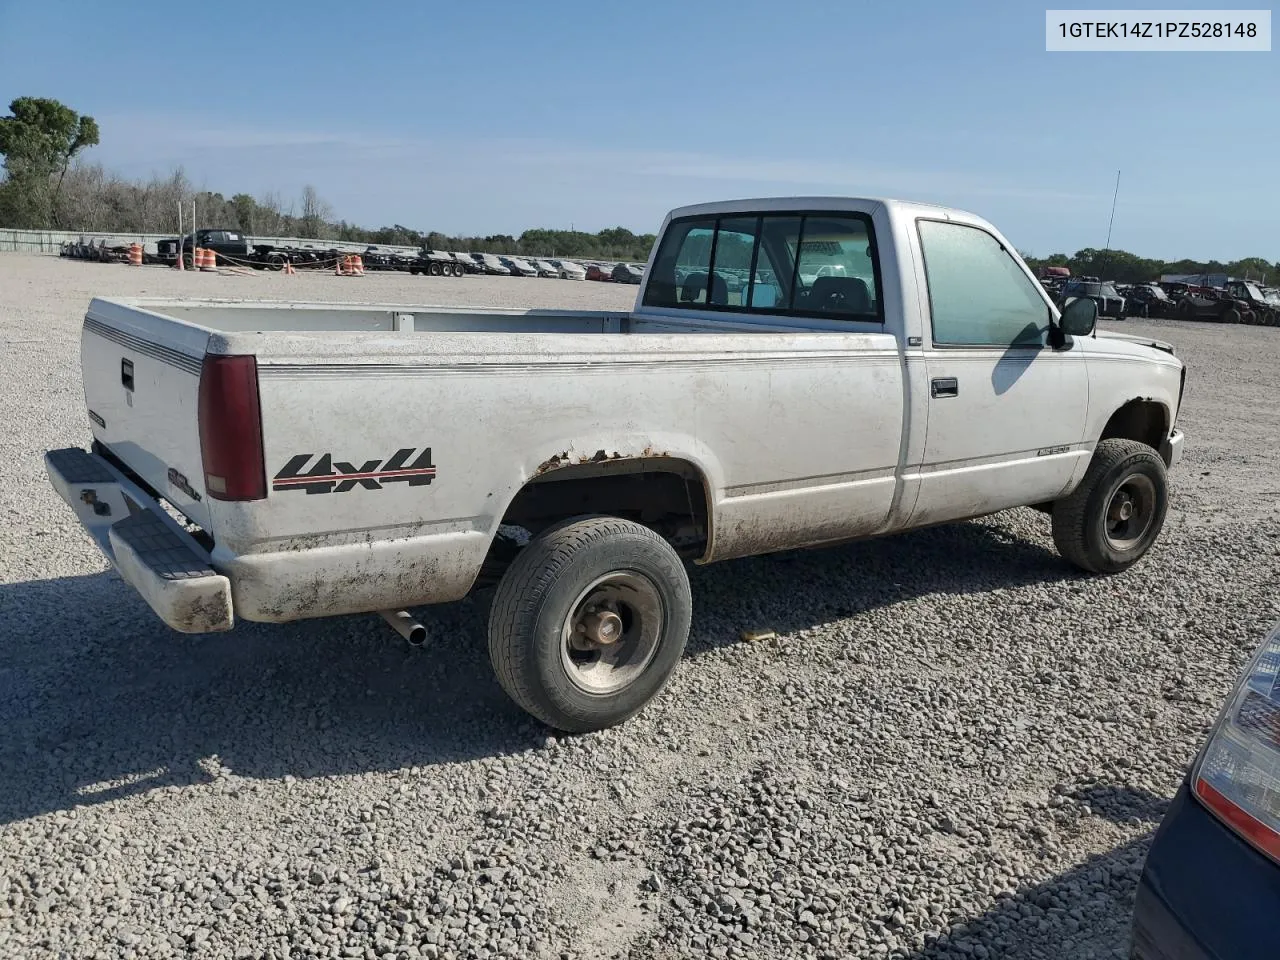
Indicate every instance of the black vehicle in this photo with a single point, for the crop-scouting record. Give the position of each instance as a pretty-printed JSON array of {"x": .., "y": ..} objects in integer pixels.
[
  {"x": 1260, "y": 308},
  {"x": 1105, "y": 295},
  {"x": 1148, "y": 300},
  {"x": 628, "y": 273},
  {"x": 226, "y": 243},
  {"x": 1220, "y": 305},
  {"x": 436, "y": 263}
]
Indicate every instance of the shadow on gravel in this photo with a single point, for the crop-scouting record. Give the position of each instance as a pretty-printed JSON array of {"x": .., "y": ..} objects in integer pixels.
[
  {"x": 1121, "y": 804},
  {"x": 99, "y": 700},
  {"x": 809, "y": 588},
  {"x": 1082, "y": 914}
]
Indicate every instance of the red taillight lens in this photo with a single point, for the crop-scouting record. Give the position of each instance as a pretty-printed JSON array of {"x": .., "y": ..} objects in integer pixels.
[
  {"x": 1238, "y": 776},
  {"x": 231, "y": 429}
]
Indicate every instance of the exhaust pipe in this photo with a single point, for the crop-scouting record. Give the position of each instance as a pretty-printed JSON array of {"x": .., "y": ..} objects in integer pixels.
[{"x": 403, "y": 624}]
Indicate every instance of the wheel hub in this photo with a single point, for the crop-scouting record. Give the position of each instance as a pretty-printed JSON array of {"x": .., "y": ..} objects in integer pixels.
[
  {"x": 601, "y": 627},
  {"x": 612, "y": 632}
]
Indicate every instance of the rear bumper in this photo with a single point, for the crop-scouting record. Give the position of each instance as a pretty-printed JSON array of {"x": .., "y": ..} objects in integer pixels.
[
  {"x": 1171, "y": 449},
  {"x": 149, "y": 549},
  {"x": 1205, "y": 894}
]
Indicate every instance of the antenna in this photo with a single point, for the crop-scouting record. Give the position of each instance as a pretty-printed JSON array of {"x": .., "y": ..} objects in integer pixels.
[{"x": 1102, "y": 273}]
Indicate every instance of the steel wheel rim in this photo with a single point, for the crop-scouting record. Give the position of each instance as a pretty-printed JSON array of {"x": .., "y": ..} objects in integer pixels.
[
  {"x": 596, "y": 664},
  {"x": 1131, "y": 511}
]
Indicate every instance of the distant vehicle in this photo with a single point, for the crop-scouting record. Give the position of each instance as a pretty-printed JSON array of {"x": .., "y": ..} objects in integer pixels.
[
  {"x": 468, "y": 264},
  {"x": 231, "y": 245},
  {"x": 1220, "y": 305},
  {"x": 1210, "y": 887},
  {"x": 1148, "y": 300},
  {"x": 596, "y": 272},
  {"x": 491, "y": 265},
  {"x": 546, "y": 268},
  {"x": 519, "y": 267},
  {"x": 1259, "y": 307},
  {"x": 628, "y": 273},
  {"x": 1105, "y": 295},
  {"x": 570, "y": 270},
  {"x": 436, "y": 263}
]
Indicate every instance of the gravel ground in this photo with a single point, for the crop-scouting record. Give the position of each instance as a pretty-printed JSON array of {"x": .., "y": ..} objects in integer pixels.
[{"x": 956, "y": 746}]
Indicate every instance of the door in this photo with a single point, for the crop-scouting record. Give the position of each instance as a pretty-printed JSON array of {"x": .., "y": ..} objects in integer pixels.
[{"x": 1006, "y": 412}]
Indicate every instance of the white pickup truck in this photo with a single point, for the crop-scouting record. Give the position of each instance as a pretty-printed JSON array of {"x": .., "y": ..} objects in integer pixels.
[{"x": 795, "y": 372}]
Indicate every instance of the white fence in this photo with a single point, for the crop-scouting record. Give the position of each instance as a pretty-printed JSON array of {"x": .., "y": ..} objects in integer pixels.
[{"x": 49, "y": 241}]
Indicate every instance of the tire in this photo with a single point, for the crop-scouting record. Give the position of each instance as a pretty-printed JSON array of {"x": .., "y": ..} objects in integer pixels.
[
  {"x": 458, "y": 270},
  {"x": 1231, "y": 316},
  {"x": 434, "y": 268},
  {"x": 1087, "y": 527},
  {"x": 549, "y": 668}
]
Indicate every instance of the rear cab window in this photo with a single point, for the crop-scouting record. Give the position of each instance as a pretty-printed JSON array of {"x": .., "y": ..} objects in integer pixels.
[{"x": 802, "y": 264}]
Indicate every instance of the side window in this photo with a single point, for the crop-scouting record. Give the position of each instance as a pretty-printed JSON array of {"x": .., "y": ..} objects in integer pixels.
[
  {"x": 682, "y": 266},
  {"x": 977, "y": 294},
  {"x": 835, "y": 273}
]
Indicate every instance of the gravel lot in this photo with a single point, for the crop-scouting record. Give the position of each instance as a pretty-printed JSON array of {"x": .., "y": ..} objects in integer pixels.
[{"x": 956, "y": 746}]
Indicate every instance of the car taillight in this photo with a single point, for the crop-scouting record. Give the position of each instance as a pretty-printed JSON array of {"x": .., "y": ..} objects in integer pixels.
[
  {"x": 1238, "y": 776},
  {"x": 231, "y": 429}
]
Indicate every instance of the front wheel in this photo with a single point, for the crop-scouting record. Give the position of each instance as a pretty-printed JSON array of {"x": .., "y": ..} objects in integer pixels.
[
  {"x": 1112, "y": 518},
  {"x": 589, "y": 622}
]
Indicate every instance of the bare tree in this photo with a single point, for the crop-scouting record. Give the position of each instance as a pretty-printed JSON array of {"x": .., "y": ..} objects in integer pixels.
[{"x": 316, "y": 214}]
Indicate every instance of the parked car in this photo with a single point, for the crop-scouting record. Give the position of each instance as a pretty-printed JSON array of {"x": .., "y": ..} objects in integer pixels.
[
  {"x": 491, "y": 264},
  {"x": 330, "y": 471},
  {"x": 628, "y": 273},
  {"x": 1148, "y": 300},
  {"x": 545, "y": 268},
  {"x": 1105, "y": 295},
  {"x": 1259, "y": 308},
  {"x": 469, "y": 264},
  {"x": 570, "y": 270},
  {"x": 1210, "y": 888},
  {"x": 596, "y": 271},
  {"x": 519, "y": 267}
]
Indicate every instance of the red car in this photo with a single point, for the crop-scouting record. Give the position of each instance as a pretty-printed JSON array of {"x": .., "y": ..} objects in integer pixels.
[{"x": 597, "y": 272}]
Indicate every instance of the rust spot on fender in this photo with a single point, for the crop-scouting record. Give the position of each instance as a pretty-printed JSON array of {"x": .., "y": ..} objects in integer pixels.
[{"x": 567, "y": 459}]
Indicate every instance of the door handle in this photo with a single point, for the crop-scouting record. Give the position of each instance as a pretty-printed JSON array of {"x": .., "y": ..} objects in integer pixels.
[
  {"x": 126, "y": 373},
  {"x": 944, "y": 387}
]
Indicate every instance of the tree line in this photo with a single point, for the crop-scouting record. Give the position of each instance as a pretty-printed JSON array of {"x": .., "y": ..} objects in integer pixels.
[
  {"x": 1124, "y": 267},
  {"x": 48, "y": 186}
]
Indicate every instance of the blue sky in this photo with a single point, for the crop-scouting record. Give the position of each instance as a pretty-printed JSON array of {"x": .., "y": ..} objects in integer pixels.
[{"x": 492, "y": 117}]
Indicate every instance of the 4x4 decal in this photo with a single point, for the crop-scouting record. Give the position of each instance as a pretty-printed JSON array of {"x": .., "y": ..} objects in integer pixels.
[{"x": 326, "y": 476}]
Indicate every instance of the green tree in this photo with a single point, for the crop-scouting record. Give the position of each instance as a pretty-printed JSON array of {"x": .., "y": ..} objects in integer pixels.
[{"x": 40, "y": 138}]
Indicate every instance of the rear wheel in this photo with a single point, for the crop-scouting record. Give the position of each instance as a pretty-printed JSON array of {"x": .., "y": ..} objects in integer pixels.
[
  {"x": 1112, "y": 518},
  {"x": 589, "y": 622},
  {"x": 1231, "y": 316},
  {"x": 434, "y": 268}
]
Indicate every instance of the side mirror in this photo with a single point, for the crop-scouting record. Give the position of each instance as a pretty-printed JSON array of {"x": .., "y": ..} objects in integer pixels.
[{"x": 1079, "y": 317}]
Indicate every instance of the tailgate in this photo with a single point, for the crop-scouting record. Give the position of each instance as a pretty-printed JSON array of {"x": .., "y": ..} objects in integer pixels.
[{"x": 141, "y": 373}]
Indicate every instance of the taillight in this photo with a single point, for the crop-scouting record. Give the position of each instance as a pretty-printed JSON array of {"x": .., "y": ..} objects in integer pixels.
[
  {"x": 1238, "y": 776},
  {"x": 231, "y": 429}
]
